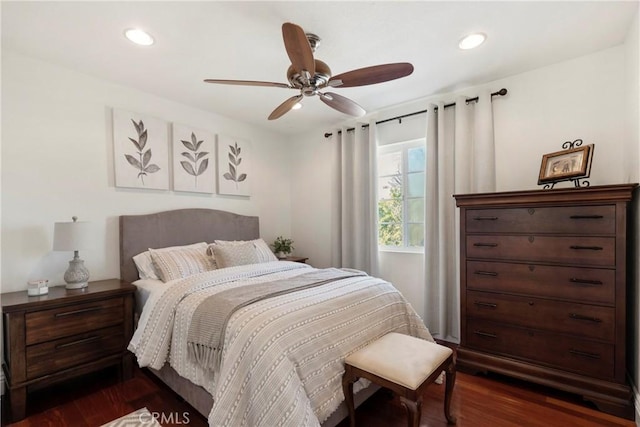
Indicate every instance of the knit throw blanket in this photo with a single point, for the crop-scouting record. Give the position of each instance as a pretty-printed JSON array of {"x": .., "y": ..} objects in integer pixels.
[{"x": 207, "y": 330}]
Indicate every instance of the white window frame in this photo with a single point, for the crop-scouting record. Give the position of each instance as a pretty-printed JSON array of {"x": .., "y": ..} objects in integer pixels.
[{"x": 403, "y": 147}]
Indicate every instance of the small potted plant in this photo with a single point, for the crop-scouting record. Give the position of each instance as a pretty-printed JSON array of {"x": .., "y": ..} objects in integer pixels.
[{"x": 282, "y": 247}]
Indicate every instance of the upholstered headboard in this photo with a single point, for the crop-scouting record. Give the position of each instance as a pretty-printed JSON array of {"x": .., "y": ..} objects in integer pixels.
[{"x": 179, "y": 227}]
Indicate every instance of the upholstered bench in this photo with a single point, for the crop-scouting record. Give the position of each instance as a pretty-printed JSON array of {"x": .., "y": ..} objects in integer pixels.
[{"x": 405, "y": 365}]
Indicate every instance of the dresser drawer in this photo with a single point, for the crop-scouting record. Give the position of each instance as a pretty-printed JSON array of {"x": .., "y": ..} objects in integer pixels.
[
  {"x": 61, "y": 322},
  {"x": 570, "y": 283},
  {"x": 590, "y": 321},
  {"x": 568, "y": 353},
  {"x": 565, "y": 220},
  {"x": 595, "y": 251},
  {"x": 53, "y": 356}
]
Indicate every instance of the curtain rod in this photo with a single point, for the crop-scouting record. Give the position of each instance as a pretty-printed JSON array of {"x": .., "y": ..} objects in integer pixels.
[{"x": 501, "y": 92}]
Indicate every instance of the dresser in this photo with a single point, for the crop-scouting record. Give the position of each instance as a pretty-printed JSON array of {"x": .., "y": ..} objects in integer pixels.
[
  {"x": 543, "y": 289},
  {"x": 64, "y": 334}
]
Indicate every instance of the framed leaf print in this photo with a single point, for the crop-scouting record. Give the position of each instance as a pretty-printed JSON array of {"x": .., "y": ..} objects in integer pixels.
[
  {"x": 234, "y": 166},
  {"x": 141, "y": 151},
  {"x": 193, "y": 159}
]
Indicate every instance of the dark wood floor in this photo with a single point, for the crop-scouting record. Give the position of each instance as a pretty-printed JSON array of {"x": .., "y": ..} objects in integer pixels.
[{"x": 479, "y": 401}]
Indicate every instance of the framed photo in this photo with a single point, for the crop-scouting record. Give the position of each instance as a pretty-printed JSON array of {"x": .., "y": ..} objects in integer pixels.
[
  {"x": 566, "y": 165},
  {"x": 193, "y": 159}
]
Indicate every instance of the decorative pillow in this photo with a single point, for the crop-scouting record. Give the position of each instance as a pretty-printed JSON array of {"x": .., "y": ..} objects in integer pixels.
[
  {"x": 264, "y": 253},
  {"x": 144, "y": 263},
  {"x": 176, "y": 263},
  {"x": 235, "y": 254}
]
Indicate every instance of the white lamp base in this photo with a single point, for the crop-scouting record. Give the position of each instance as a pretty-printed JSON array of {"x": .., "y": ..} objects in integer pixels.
[
  {"x": 77, "y": 285},
  {"x": 77, "y": 275}
]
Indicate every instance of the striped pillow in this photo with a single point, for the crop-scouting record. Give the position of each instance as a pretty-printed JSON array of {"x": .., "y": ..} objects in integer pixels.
[
  {"x": 263, "y": 252},
  {"x": 181, "y": 262}
]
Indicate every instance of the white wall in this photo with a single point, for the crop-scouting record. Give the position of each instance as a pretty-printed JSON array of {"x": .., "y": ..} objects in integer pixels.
[
  {"x": 580, "y": 98},
  {"x": 57, "y": 161}
]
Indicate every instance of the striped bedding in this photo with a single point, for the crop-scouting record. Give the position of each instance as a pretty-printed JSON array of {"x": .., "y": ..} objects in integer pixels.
[{"x": 283, "y": 357}]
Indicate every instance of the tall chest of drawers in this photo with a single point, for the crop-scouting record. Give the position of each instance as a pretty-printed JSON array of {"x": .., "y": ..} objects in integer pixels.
[{"x": 543, "y": 289}]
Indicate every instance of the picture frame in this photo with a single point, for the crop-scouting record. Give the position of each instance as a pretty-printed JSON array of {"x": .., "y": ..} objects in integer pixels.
[
  {"x": 566, "y": 165},
  {"x": 194, "y": 161},
  {"x": 234, "y": 166}
]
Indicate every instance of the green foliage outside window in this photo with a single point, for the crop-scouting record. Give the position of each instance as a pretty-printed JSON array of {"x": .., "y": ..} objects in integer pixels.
[{"x": 390, "y": 215}]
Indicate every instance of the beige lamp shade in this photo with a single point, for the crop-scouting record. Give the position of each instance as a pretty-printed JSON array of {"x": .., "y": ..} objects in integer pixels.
[{"x": 71, "y": 236}]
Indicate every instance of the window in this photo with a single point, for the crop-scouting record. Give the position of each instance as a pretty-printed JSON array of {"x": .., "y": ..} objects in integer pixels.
[{"x": 401, "y": 175}]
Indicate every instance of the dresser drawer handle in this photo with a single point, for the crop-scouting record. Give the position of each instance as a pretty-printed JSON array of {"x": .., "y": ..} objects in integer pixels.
[
  {"x": 589, "y": 248},
  {"x": 586, "y": 281},
  {"x": 584, "y": 354},
  {"x": 485, "y": 218},
  {"x": 485, "y": 334},
  {"x": 487, "y": 245},
  {"x": 485, "y": 304},
  {"x": 82, "y": 341},
  {"x": 485, "y": 273},
  {"x": 586, "y": 217},
  {"x": 581, "y": 317},
  {"x": 71, "y": 313}
]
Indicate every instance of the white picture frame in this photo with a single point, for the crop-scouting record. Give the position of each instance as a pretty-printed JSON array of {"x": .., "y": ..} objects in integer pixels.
[
  {"x": 194, "y": 163},
  {"x": 141, "y": 151},
  {"x": 234, "y": 166}
]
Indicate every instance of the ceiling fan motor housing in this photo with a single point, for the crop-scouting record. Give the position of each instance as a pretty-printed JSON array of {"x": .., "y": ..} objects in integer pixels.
[{"x": 318, "y": 80}]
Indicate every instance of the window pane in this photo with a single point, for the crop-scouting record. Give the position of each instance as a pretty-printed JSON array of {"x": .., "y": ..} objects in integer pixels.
[
  {"x": 389, "y": 164},
  {"x": 390, "y": 235},
  {"x": 416, "y": 234},
  {"x": 390, "y": 187},
  {"x": 416, "y": 159},
  {"x": 390, "y": 211},
  {"x": 415, "y": 184},
  {"x": 415, "y": 210}
]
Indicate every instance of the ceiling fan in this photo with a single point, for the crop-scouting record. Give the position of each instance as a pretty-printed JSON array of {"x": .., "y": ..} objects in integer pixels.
[{"x": 310, "y": 75}]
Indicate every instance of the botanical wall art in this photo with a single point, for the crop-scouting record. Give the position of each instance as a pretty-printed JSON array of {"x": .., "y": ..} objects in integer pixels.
[
  {"x": 141, "y": 153},
  {"x": 234, "y": 166},
  {"x": 193, "y": 159}
]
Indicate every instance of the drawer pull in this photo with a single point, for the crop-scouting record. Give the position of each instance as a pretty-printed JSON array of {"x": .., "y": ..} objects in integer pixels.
[
  {"x": 589, "y": 248},
  {"x": 485, "y": 218},
  {"x": 485, "y": 304},
  {"x": 487, "y": 245},
  {"x": 485, "y": 273},
  {"x": 584, "y": 354},
  {"x": 82, "y": 341},
  {"x": 586, "y": 217},
  {"x": 585, "y": 281},
  {"x": 71, "y": 313},
  {"x": 485, "y": 334},
  {"x": 581, "y": 317}
]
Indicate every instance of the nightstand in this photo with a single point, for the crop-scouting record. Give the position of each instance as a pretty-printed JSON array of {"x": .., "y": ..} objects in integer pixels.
[
  {"x": 295, "y": 259},
  {"x": 64, "y": 334}
]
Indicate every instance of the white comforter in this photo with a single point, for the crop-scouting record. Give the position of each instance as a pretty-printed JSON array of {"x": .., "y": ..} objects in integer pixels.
[{"x": 283, "y": 357}]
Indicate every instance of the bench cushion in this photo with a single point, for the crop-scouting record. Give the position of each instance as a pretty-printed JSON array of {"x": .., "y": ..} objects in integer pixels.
[{"x": 400, "y": 358}]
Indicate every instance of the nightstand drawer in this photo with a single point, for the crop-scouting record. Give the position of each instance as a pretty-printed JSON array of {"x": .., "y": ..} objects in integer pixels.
[
  {"x": 74, "y": 319},
  {"x": 73, "y": 351}
]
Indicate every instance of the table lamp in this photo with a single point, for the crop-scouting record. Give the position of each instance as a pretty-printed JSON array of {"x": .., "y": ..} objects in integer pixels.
[{"x": 73, "y": 236}]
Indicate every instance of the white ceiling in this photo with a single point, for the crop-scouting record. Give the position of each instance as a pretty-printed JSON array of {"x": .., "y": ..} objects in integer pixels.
[{"x": 243, "y": 40}]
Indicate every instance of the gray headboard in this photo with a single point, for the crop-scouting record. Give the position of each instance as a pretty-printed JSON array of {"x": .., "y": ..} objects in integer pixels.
[{"x": 179, "y": 227}]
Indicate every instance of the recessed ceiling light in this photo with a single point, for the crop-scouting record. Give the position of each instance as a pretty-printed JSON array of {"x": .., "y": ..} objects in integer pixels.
[
  {"x": 139, "y": 36},
  {"x": 472, "y": 40}
]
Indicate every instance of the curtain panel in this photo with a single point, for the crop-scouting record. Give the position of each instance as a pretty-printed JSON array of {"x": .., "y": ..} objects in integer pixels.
[
  {"x": 460, "y": 159},
  {"x": 355, "y": 237}
]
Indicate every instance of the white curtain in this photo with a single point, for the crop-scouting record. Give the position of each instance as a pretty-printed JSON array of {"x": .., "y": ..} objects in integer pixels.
[
  {"x": 460, "y": 159},
  {"x": 355, "y": 239}
]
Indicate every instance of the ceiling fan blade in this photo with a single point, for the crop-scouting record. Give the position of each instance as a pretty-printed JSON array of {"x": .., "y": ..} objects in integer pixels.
[
  {"x": 284, "y": 108},
  {"x": 298, "y": 48},
  {"x": 342, "y": 104},
  {"x": 371, "y": 75},
  {"x": 248, "y": 83}
]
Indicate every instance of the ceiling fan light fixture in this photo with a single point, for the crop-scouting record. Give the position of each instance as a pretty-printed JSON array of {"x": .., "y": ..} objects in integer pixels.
[
  {"x": 138, "y": 36},
  {"x": 297, "y": 106},
  {"x": 472, "y": 41}
]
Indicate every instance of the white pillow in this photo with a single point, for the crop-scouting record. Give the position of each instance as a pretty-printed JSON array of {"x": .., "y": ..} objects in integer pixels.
[
  {"x": 144, "y": 263},
  {"x": 261, "y": 247}
]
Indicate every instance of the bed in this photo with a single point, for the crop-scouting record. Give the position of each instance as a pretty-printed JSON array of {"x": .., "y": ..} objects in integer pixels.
[{"x": 280, "y": 357}]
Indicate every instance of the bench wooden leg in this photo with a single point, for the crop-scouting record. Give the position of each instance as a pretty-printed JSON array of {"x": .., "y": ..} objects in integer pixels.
[
  {"x": 347, "y": 388},
  {"x": 450, "y": 382},
  {"x": 414, "y": 410}
]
